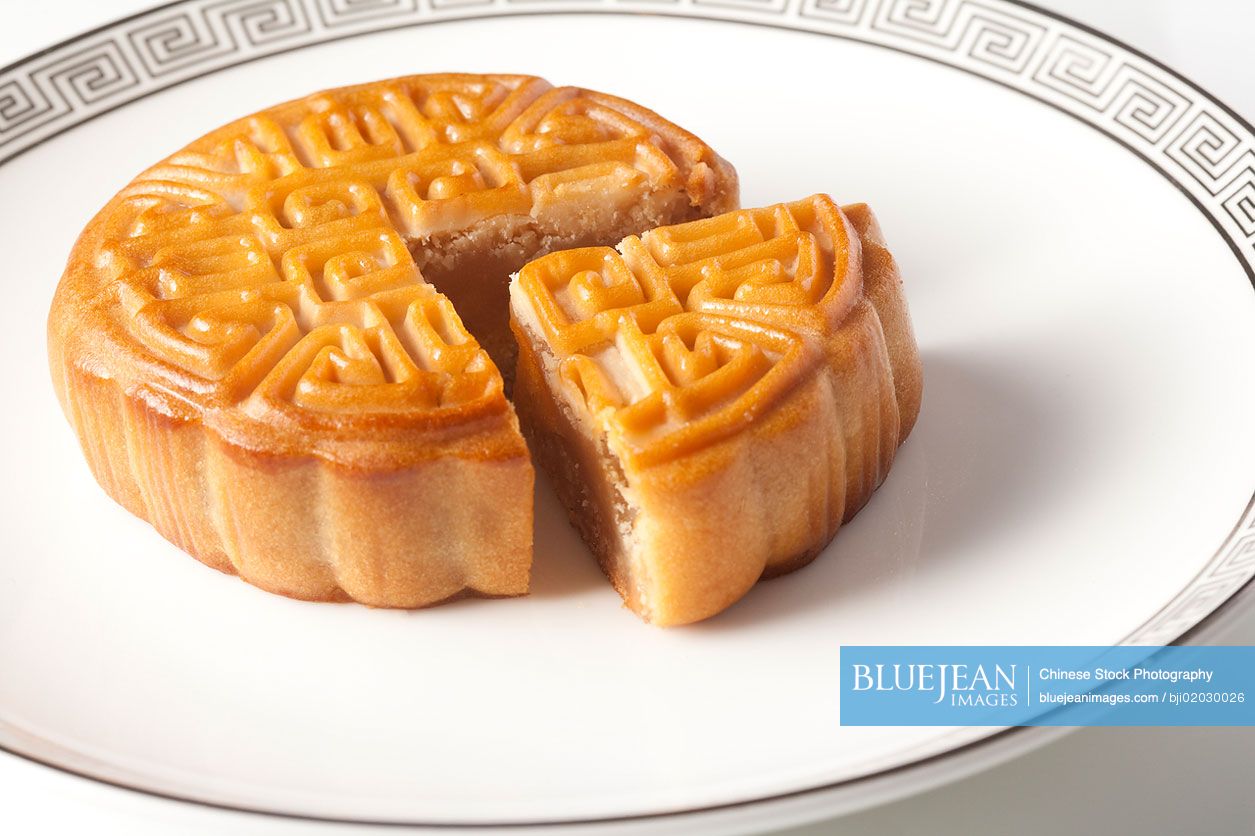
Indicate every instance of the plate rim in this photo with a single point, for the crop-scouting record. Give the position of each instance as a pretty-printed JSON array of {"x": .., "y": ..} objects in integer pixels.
[{"x": 1225, "y": 581}]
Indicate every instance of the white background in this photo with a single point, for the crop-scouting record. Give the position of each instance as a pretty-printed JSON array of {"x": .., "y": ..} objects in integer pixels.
[{"x": 1145, "y": 781}]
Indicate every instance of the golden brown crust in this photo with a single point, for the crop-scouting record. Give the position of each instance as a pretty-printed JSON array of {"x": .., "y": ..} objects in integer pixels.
[
  {"x": 751, "y": 376},
  {"x": 254, "y": 363}
]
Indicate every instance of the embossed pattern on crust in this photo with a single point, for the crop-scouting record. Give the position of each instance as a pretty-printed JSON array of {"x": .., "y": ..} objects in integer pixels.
[
  {"x": 686, "y": 333},
  {"x": 714, "y": 399},
  {"x": 253, "y": 361},
  {"x": 268, "y": 262}
]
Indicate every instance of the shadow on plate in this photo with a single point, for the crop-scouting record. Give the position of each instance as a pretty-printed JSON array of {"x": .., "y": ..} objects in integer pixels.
[
  {"x": 984, "y": 452},
  {"x": 561, "y": 564}
]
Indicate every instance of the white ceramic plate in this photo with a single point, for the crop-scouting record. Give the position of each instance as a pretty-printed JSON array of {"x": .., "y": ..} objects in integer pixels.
[{"x": 1076, "y": 239}]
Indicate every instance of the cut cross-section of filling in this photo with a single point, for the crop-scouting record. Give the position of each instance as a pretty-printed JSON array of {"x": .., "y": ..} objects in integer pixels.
[
  {"x": 269, "y": 344},
  {"x": 714, "y": 399}
]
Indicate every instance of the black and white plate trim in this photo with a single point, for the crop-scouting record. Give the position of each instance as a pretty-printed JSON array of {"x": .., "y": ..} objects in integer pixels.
[{"x": 1196, "y": 142}]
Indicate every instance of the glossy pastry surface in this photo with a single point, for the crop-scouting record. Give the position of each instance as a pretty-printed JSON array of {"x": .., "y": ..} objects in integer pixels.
[{"x": 265, "y": 343}]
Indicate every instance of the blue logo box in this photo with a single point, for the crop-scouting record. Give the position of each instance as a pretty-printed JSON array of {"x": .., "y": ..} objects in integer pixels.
[{"x": 1047, "y": 686}]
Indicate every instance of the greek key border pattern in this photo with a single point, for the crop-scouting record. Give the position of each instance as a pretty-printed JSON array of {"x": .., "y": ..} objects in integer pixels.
[{"x": 1195, "y": 141}]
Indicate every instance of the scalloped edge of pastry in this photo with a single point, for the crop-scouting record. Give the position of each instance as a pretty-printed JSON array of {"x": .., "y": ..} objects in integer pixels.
[
  {"x": 684, "y": 540},
  {"x": 389, "y": 519}
]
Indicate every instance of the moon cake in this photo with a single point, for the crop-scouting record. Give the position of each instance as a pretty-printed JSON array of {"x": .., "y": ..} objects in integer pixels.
[
  {"x": 281, "y": 346},
  {"x": 714, "y": 399}
]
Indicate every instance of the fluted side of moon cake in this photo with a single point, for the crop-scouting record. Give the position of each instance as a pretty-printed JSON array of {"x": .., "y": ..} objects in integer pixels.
[
  {"x": 264, "y": 343},
  {"x": 715, "y": 398}
]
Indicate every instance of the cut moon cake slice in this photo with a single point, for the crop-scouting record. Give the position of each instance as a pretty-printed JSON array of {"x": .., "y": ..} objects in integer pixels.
[
  {"x": 714, "y": 399},
  {"x": 269, "y": 344}
]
